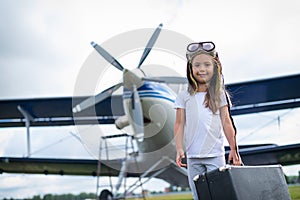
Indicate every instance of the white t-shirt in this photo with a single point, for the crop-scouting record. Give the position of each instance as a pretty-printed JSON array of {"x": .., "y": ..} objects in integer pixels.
[{"x": 203, "y": 132}]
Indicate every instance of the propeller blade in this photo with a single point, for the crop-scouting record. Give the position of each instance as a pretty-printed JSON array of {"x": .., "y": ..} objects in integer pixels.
[
  {"x": 91, "y": 101},
  {"x": 167, "y": 79},
  {"x": 137, "y": 115},
  {"x": 107, "y": 56},
  {"x": 150, "y": 44}
]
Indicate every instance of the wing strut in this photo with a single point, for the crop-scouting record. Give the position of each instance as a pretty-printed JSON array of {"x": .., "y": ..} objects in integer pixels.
[{"x": 28, "y": 118}]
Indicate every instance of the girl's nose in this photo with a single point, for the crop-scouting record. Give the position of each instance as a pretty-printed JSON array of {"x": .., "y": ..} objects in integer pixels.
[{"x": 201, "y": 69}]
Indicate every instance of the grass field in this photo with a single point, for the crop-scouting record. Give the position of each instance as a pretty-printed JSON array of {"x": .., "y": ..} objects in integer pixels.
[
  {"x": 173, "y": 196},
  {"x": 294, "y": 191}
]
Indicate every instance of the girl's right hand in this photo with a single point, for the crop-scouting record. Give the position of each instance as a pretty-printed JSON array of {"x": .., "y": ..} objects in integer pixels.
[{"x": 179, "y": 157}]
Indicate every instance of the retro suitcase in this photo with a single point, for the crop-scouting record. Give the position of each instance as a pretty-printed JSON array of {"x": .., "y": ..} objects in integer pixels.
[{"x": 243, "y": 183}]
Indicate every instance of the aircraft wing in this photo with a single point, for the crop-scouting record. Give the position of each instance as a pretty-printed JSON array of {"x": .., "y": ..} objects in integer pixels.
[
  {"x": 251, "y": 155},
  {"x": 85, "y": 167},
  {"x": 271, "y": 154},
  {"x": 265, "y": 95},
  {"x": 58, "y": 111},
  {"x": 247, "y": 97},
  {"x": 174, "y": 175}
]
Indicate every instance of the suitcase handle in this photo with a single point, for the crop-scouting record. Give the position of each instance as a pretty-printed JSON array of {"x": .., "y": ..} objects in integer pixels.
[{"x": 227, "y": 167}]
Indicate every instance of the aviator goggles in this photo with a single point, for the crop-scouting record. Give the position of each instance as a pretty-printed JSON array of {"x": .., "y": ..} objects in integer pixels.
[
  {"x": 199, "y": 46},
  {"x": 206, "y": 46}
]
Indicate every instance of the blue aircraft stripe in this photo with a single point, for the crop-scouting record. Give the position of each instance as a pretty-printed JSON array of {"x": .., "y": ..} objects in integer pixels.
[
  {"x": 143, "y": 93},
  {"x": 152, "y": 96},
  {"x": 151, "y": 93},
  {"x": 152, "y": 90}
]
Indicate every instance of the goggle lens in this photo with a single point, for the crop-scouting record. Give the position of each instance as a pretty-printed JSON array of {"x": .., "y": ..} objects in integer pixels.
[{"x": 206, "y": 46}]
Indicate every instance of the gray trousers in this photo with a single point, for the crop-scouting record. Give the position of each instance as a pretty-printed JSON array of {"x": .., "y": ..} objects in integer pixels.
[{"x": 198, "y": 166}]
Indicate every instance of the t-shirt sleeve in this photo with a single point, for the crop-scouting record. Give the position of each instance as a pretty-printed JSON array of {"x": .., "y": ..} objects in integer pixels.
[
  {"x": 179, "y": 101},
  {"x": 224, "y": 100}
]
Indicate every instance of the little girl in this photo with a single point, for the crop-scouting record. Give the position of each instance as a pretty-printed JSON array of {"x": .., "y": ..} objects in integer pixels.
[{"x": 202, "y": 115}]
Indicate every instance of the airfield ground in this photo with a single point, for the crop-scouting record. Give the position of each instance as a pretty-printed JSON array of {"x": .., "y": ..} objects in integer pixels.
[{"x": 293, "y": 189}]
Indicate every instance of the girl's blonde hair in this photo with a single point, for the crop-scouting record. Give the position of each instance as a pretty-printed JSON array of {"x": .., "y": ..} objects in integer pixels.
[{"x": 214, "y": 88}]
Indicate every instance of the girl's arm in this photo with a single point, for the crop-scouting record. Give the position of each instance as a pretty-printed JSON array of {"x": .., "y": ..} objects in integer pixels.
[
  {"x": 178, "y": 134},
  {"x": 230, "y": 135}
]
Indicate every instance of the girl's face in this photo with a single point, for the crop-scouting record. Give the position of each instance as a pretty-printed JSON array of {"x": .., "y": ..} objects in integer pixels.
[{"x": 203, "y": 68}]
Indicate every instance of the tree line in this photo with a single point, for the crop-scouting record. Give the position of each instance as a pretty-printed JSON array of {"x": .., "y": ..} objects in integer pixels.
[{"x": 81, "y": 196}]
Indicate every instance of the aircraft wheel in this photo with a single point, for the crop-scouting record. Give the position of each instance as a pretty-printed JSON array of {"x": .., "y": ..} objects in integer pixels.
[{"x": 106, "y": 195}]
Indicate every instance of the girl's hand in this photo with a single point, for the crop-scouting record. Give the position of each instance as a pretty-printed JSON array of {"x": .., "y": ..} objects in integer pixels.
[
  {"x": 179, "y": 157},
  {"x": 235, "y": 158}
]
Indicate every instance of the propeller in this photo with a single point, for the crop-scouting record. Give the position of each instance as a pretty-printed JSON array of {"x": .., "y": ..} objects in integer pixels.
[
  {"x": 137, "y": 115},
  {"x": 167, "y": 79},
  {"x": 107, "y": 56},
  {"x": 94, "y": 100},
  {"x": 150, "y": 44},
  {"x": 131, "y": 81}
]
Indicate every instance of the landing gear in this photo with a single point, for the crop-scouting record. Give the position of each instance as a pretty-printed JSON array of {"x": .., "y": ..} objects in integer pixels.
[{"x": 106, "y": 195}]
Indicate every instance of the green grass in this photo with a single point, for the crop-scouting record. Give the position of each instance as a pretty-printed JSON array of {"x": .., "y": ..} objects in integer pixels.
[
  {"x": 294, "y": 191},
  {"x": 172, "y": 196}
]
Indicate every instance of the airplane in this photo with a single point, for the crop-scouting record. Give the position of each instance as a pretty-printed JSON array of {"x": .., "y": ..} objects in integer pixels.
[{"x": 147, "y": 106}]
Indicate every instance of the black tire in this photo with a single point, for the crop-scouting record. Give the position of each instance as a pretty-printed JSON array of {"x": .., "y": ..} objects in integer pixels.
[{"x": 106, "y": 195}]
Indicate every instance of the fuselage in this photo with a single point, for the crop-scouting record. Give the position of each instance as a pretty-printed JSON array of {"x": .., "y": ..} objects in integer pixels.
[{"x": 157, "y": 101}]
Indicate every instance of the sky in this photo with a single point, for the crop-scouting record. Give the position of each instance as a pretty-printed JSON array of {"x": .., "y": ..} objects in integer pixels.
[{"x": 44, "y": 44}]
